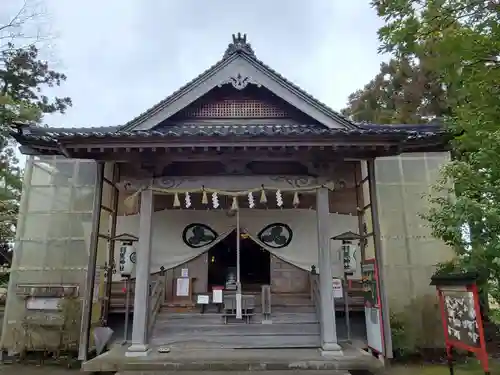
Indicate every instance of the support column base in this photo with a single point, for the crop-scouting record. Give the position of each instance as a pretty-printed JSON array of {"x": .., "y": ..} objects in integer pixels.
[
  {"x": 331, "y": 349},
  {"x": 137, "y": 350}
]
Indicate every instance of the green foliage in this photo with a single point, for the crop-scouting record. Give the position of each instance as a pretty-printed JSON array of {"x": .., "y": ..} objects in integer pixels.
[
  {"x": 16, "y": 111},
  {"x": 23, "y": 76},
  {"x": 405, "y": 91},
  {"x": 460, "y": 40},
  {"x": 400, "y": 340},
  {"x": 410, "y": 88},
  {"x": 417, "y": 327}
]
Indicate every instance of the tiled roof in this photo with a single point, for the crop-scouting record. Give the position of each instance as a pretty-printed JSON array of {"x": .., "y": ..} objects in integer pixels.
[
  {"x": 38, "y": 130},
  {"x": 248, "y": 131}
]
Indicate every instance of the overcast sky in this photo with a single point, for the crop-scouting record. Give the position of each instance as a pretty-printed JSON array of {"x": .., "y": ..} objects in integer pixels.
[{"x": 123, "y": 56}]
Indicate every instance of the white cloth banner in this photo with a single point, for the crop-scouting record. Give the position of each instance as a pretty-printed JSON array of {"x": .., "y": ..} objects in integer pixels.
[
  {"x": 302, "y": 251},
  {"x": 169, "y": 249}
]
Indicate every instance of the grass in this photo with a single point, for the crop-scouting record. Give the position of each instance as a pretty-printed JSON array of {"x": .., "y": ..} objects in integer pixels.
[{"x": 467, "y": 369}]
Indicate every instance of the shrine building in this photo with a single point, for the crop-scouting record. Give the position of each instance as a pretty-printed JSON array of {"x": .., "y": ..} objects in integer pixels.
[{"x": 237, "y": 201}]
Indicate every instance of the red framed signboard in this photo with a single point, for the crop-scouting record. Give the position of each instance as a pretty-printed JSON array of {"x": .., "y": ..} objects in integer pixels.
[
  {"x": 461, "y": 315},
  {"x": 373, "y": 307}
]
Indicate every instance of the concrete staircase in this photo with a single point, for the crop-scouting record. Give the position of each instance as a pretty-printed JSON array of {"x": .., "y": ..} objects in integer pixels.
[{"x": 293, "y": 324}]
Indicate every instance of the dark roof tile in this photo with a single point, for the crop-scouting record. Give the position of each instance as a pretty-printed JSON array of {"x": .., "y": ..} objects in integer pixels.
[{"x": 254, "y": 130}]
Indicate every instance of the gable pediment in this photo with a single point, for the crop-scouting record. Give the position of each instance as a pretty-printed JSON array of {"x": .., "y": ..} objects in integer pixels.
[
  {"x": 240, "y": 71},
  {"x": 226, "y": 103}
]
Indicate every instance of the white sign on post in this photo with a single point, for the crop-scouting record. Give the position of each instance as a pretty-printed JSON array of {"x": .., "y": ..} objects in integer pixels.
[
  {"x": 338, "y": 291},
  {"x": 203, "y": 299},
  {"x": 217, "y": 295},
  {"x": 182, "y": 289}
]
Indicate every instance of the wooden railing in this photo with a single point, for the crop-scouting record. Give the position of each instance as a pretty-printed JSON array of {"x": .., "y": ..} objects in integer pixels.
[
  {"x": 354, "y": 290},
  {"x": 155, "y": 299},
  {"x": 315, "y": 293}
]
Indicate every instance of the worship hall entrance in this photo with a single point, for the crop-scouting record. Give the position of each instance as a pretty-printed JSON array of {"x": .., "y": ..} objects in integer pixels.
[{"x": 255, "y": 264}]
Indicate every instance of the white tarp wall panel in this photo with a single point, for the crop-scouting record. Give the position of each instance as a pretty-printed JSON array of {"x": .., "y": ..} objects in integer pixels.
[
  {"x": 52, "y": 239},
  {"x": 410, "y": 251}
]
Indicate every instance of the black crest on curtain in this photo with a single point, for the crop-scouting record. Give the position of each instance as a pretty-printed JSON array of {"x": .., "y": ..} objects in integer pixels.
[
  {"x": 198, "y": 235},
  {"x": 276, "y": 235}
]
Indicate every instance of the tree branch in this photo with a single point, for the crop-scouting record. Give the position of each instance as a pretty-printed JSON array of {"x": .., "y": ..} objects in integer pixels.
[{"x": 21, "y": 26}]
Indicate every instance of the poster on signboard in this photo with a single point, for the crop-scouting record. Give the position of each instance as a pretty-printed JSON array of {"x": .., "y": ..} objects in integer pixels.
[
  {"x": 369, "y": 282},
  {"x": 373, "y": 308},
  {"x": 217, "y": 295},
  {"x": 462, "y": 322},
  {"x": 338, "y": 291},
  {"x": 182, "y": 289},
  {"x": 460, "y": 316}
]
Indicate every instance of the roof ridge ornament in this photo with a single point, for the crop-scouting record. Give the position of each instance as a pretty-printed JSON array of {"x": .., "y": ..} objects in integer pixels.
[
  {"x": 239, "y": 44},
  {"x": 239, "y": 81}
]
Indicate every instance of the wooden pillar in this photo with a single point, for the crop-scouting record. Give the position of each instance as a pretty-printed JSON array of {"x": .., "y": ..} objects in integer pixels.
[
  {"x": 83, "y": 348},
  {"x": 328, "y": 326},
  {"x": 111, "y": 244},
  {"x": 238, "y": 267},
  {"x": 140, "y": 338}
]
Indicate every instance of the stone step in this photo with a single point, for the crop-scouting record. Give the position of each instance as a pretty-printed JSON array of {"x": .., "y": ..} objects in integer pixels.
[
  {"x": 119, "y": 306},
  {"x": 188, "y": 360},
  {"x": 239, "y": 342},
  {"x": 293, "y": 309},
  {"x": 193, "y": 319},
  {"x": 288, "y": 329},
  {"x": 291, "y": 299},
  {"x": 236, "y": 329},
  {"x": 188, "y": 318}
]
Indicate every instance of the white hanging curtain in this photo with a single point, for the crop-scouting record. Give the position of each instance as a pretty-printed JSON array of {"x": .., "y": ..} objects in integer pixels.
[
  {"x": 179, "y": 235},
  {"x": 291, "y": 235}
]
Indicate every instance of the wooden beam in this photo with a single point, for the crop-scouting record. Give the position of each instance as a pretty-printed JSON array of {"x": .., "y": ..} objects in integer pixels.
[
  {"x": 238, "y": 154},
  {"x": 216, "y": 142},
  {"x": 128, "y": 151}
]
